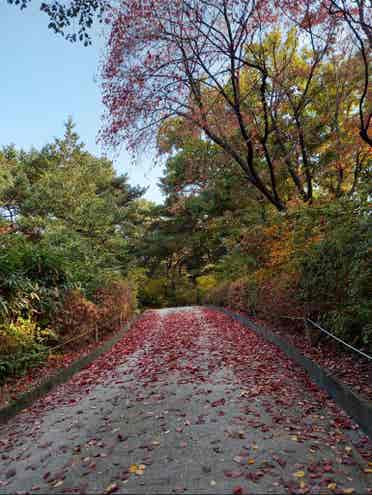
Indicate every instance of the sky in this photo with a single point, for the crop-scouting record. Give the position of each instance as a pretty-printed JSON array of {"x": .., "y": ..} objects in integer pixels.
[{"x": 44, "y": 80}]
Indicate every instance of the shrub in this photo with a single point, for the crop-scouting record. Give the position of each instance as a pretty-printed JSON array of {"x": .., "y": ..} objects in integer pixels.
[
  {"x": 153, "y": 293},
  {"x": 17, "y": 336},
  {"x": 22, "y": 345},
  {"x": 115, "y": 304},
  {"x": 184, "y": 294},
  {"x": 241, "y": 295},
  {"x": 77, "y": 316},
  {"x": 112, "y": 306},
  {"x": 313, "y": 263},
  {"x": 218, "y": 295},
  {"x": 205, "y": 283},
  {"x": 335, "y": 281},
  {"x": 29, "y": 277}
]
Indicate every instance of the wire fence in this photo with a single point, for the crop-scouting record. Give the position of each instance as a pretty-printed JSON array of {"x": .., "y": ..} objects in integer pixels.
[
  {"x": 367, "y": 356},
  {"x": 47, "y": 351},
  {"x": 94, "y": 331},
  {"x": 77, "y": 337},
  {"x": 326, "y": 332}
]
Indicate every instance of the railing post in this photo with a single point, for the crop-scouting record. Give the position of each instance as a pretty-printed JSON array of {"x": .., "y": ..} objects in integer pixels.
[{"x": 312, "y": 334}]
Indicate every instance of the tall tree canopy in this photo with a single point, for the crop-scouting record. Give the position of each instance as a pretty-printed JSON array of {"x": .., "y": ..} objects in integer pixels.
[
  {"x": 187, "y": 38},
  {"x": 69, "y": 202},
  {"x": 267, "y": 83}
]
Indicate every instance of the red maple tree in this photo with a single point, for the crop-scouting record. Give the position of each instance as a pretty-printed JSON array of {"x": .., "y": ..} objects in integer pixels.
[{"x": 188, "y": 59}]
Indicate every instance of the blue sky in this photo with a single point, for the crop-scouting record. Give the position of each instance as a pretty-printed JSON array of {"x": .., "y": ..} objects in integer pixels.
[{"x": 44, "y": 80}]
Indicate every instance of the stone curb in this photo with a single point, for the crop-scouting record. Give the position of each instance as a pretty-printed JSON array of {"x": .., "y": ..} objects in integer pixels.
[
  {"x": 359, "y": 409},
  {"x": 28, "y": 398}
]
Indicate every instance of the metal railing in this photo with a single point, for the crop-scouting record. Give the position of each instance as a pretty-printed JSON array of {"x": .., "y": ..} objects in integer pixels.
[
  {"x": 338, "y": 339},
  {"x": 316, "y": 325}
]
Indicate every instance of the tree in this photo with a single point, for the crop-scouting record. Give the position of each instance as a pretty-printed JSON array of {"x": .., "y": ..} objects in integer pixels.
[
  {"x": 69, "y": 203},
  {"x": 310, "y": 142},
  {"x": 211, "y": 64},
  {"x": 74, "y": 19},
  {"x": 352, "y": 15},
  {"x": 355, "y": 18},
  {"x": 359, "y": 21}
]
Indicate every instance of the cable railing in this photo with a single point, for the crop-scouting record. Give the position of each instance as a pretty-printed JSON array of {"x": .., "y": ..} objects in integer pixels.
[
  {"x": 77, "y": 337},
  {"x": 323, "y": 330},
  {"x": 49, "y": 350},
  {"x": 338, "y": 339}
]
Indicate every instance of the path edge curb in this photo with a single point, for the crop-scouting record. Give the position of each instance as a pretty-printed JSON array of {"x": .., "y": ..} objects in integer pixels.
[
  {"x": 359, "y": 409},
  {"x": 26, "y": 399}
]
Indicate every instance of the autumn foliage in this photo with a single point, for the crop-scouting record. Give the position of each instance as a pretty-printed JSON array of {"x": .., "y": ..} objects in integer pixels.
[
  {"x": 261, "y": 114},
  {"x": 77, "y": 316},
  {"x": 112, "y": 307},
  {"x": 115, "y": 303},
  {"x": 257, "y": 79},
  {"x": 316, "y": 270}
]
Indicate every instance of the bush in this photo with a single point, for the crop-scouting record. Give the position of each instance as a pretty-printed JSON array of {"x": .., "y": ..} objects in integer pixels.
[
  {"x": 112, "y": 306},
  {"x": 17, "y": 336},
  {"x": 153, "y": 293},
  {"x": 242, "y": 295},
  {"x": 312, "y": 263},
  {"x": 115, "y": 304},
  {"x": 77, "y": 316},
  {"x": 184, "y": 294},
  {"x": 22, "y": 345},
  {"x": 29, "y": 277},
  {"x": 335, "y": 279},
  {"x": 205, "y": 283},
  {"x": 218, "y": 295}
]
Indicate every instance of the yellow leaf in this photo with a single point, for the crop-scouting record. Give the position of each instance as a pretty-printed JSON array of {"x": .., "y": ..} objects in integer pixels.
[
  {"x": 133, "y": 468},
  {"x": 332, "y": 486},
  {"x": 250, "y": 461},
  {"x": 299, "y": 474},
  {"x": 348, "y": 491},
  {"x": 111, "y": 488},
  {"x": 294, "y": 438},
  {"x": 302, "y": 484}
]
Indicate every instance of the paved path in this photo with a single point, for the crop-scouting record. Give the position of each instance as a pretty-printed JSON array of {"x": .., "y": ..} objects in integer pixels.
[{"x": 188, "y": 402}]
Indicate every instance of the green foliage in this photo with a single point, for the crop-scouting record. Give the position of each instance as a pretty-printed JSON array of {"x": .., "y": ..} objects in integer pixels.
[
  {"x": 31, "y": 277},
  {"x": 153, "y": 293},
  {"x": 205, "y": 283},
  {"x": 22, "y": 345},
  {"x": 66, "y": 220},
  {"x": 315, "y": 262},
  {"x": 233, "y": 264},
  {"x": 335, "y": 280},
  {"x": 18, "y": 363},
  {"x": 185, "y": 293}
]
